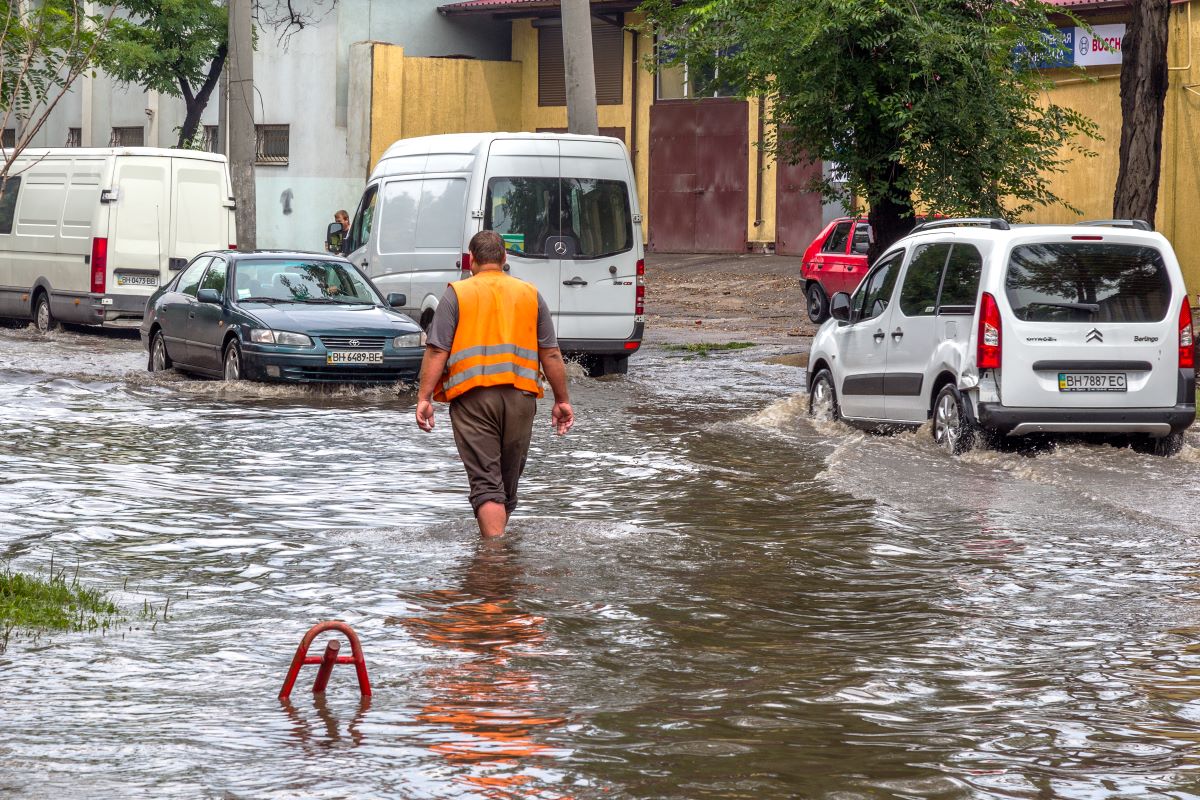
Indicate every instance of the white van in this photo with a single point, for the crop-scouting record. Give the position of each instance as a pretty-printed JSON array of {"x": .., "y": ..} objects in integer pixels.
[
  {"x": 566, "y": 206},
  {"x": 87, "y": 235},
  {"x": 993, "y": 331}
]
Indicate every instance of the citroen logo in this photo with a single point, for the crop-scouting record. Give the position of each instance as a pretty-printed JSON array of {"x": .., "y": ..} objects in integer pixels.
[
  {"x": 354, "y": 342},
  {"x": 1094, "y": 335},
  {"x": 560, "y": 248}
]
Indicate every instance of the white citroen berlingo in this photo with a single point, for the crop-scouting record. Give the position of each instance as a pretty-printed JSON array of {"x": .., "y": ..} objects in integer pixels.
[{"x": 993, "y": 330}]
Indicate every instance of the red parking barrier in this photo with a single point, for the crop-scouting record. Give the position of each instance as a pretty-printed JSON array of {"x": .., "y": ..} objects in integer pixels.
[{"x": 328, "y": 659}]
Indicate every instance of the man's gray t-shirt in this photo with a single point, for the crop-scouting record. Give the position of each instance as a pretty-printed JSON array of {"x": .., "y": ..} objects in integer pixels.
[{"x": 445, "y": 323}]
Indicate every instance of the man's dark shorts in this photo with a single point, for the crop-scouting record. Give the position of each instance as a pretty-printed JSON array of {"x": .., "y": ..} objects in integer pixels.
[{"x": 492, "y": 427}]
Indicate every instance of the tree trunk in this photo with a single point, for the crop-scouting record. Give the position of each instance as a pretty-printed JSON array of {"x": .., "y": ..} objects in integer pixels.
[
  {"x": 1143, "y": 91},
  {"x": 891, "y": 216},
  {"x": 196, "y": 104}
]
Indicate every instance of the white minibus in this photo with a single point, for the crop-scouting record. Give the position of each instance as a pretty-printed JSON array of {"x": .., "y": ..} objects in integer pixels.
[
  {"x": 87, "y": 235},
  {"x": 567, "y": 207}
]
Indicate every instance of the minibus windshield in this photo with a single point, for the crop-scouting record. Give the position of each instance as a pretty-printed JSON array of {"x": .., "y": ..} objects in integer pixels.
[{"x": 590, "y": 216}]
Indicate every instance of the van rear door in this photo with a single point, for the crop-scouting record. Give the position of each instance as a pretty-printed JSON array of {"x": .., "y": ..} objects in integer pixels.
[
  {"x": 200, "y": 218},
  {"x": 1092, "y": 325},
  {"x": 598, "y": 249},
  {"x": 520, "y": 202},
  {"x": 139, "y": 227}
]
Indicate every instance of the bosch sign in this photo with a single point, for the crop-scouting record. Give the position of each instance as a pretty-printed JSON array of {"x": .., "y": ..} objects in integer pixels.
[{"x": 1101, "y": 46}]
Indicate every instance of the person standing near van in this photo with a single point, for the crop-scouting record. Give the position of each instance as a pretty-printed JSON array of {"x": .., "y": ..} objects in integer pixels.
[
  {"x": 338, "y": 243},
  {"x": 490, "y": 334}
]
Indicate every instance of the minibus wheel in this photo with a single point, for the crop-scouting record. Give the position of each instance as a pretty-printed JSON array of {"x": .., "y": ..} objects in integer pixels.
[{"x": 43, "y": 319}]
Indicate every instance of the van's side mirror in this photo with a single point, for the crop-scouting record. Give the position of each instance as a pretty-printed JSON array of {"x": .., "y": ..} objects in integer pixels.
[
  {"x": 333, "y": 237},
  {"x": 397, "y": 300},
  {"x": 839, "y": 307},
  {"x": 209, "y": 296}
]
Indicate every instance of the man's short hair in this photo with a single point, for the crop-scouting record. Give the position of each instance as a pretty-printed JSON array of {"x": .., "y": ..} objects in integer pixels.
[
  {"x": 487, "y": 248},
  {"x": 342, "y": 213}
]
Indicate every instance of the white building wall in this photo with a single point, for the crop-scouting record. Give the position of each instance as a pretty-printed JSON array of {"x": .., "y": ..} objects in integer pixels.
[{"x": 301, "y": 82}]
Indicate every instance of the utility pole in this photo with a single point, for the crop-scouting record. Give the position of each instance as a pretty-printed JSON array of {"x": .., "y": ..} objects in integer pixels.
[
  {"x": 580, "y": 67},
  {"x": 242, "y": 143}
]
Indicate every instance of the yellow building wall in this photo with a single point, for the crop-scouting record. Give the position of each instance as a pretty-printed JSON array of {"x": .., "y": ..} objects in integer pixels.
[
  {"x": 1089, "y": 183},
  {"x": 425, "y": 96}
]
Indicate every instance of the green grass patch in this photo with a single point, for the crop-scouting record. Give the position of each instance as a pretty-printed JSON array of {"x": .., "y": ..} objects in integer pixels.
[
  {"x": 52, "y": 602},
  {"x": 704, "y": 348}
]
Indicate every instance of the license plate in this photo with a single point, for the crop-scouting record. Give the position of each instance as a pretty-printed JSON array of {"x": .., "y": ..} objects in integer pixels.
[
  {"x": 354, "y": 357},
  {"x": 1092, "y": 382},
  {"x": 137, "y": 280}
]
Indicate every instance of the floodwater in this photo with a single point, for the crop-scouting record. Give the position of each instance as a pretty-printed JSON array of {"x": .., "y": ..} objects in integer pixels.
[{"x": 704, "y": 596}]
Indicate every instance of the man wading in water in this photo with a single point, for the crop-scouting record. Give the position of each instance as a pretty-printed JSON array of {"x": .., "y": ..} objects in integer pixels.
[{"x": 489, "y": 336}]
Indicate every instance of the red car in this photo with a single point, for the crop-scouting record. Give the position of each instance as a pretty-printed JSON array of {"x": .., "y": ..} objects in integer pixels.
[{"x": 836, "y": 261}]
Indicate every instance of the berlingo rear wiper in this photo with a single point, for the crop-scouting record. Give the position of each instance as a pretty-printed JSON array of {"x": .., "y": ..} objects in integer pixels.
[{"x": 1091, "y": 308}]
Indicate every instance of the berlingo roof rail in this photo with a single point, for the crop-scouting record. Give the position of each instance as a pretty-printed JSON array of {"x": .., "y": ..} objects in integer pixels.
[
  {"x": 995, "y": 223},
  {"x": 1137, "y": 224}
]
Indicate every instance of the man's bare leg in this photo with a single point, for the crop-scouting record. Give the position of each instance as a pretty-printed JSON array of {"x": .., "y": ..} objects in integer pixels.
[{"x": 492, "y": 517}]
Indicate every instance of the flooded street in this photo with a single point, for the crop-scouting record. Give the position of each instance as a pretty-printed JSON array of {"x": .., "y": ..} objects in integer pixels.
[{"x": 704, "y": 596}]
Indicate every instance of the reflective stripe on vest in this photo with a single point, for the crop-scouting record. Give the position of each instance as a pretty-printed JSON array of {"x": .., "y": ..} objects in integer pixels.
[{"x": 495, "y": 342}]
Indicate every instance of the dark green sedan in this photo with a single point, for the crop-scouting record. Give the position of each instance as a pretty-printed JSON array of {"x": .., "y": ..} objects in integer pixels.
[{"x": 280, "y": 316}]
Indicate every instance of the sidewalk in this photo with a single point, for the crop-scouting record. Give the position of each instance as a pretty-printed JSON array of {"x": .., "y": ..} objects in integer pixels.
[{"x": 724, "y": 298}]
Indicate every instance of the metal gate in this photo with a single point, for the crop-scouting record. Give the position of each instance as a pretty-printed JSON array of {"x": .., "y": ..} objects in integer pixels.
[
  {"x": 797, "y": 210},
  {"x": 699, "y": 176}
]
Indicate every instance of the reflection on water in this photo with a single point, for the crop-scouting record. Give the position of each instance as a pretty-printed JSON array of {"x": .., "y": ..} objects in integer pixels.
[
  {"x": 705, "y": 596},
  {"x": 483, "y": 713}
]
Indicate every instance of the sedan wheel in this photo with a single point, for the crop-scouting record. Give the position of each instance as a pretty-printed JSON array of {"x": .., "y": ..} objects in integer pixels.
[
  {"x": 818, "y": 306},
  {"x": 952, "y": 431},
  {"x": 233, "y": 361},
  {"x": 160, "y": 361}
]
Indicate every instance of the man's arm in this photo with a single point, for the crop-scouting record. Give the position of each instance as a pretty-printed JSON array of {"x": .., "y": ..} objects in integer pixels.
[
  {"x": 562, "y": 415},
  {"x": 433, "y": 365}
]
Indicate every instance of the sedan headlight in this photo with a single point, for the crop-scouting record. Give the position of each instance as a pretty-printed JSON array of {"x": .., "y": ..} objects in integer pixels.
[
  {"x": 410, "y": 340},
  {"x": 268, "y": 336}
]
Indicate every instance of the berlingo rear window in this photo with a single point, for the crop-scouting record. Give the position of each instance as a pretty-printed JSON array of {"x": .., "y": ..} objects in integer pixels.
[{"x": 1088, "y": 282}]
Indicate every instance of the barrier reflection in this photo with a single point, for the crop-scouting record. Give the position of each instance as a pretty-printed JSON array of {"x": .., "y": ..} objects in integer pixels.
[
  {"x": 313, "y": 736},
  {"x": 483, "y": 715}
]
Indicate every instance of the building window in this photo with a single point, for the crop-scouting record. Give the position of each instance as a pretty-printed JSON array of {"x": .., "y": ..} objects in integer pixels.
[
  {"x": 74, "y": 137},
  {"x": 132, "y": 136},
  {"x": 9, "y": 140},
  {"x": 212, "y": 139},
  {"x": 608, "y": 51},
  {"x": 272, "y": 144},
  {"x": 682, "y": 81}
]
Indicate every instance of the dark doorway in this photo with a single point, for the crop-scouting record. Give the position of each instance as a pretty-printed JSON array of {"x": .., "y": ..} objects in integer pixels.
[
  {"x": 699, "y": 176},
  {"x": 797, "y": 210}
]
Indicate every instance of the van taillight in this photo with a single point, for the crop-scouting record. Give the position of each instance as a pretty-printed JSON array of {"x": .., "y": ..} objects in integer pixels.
[
  {"x": 987, "y": 355},
  {"x": 1187, "y": 337},
  {"x": 233, "y": 247},
  {"x": 639, "y": 305},
  {"x": 99, "y": 264},
  {"x": 465, "y": 264}
]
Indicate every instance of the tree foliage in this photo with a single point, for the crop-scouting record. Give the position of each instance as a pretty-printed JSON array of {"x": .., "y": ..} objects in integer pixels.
[
  {"x": 178, "y": 47},
  {"x": 931, "y": 99},
  {"x": 44, "y": 48}
]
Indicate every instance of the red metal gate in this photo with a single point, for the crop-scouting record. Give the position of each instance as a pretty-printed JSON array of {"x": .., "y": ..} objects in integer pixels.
[
  {"x": 699, "y": 176},
  {"x": 797, "y": 210}
]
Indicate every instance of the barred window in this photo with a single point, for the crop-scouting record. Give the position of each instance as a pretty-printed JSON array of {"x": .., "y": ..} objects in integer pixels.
[
  {"x": 74, "y": 137},
  {"x": 9, "y": 140},
  {"x": 131, "y": 136},
  {"x": 273, "y": 142}
]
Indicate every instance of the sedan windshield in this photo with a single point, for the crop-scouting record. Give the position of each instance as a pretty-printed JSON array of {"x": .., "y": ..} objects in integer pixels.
[{"x": 302, "y": 281}]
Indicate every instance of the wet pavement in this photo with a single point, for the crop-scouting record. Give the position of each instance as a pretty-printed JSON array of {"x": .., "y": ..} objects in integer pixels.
[{"x": 705, "y": 595}]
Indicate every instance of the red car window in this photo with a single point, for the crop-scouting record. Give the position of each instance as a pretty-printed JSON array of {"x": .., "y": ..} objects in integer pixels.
[{"x": 838, "y": 239}]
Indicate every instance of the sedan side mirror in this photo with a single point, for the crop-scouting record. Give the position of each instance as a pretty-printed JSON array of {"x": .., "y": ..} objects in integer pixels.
[
  {"x": 397, "y": 300},
  {"x": 209, "y": 296},
  {"x": 839, "y": 307}
]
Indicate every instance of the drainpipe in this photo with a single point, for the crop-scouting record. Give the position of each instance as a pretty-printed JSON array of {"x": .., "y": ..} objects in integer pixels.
[
  {"x": 633, "y": 100},
  {"x": 758, "y": 194}
]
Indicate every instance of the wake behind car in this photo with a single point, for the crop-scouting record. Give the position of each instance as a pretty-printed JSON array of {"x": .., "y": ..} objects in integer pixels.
[
  {"x": 280, "y": 316},
  {"x": 1008, "y": 331}
]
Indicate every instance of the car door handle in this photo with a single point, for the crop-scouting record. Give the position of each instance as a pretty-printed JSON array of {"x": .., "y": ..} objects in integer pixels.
[
  {"x": 897, "y": 335},
  {"x": 575, "y": 282},
  {"x": 879, "y": 334}
]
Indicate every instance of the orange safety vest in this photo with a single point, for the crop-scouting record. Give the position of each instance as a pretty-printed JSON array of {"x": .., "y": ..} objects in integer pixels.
[{"x": 495, "y": 343}]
